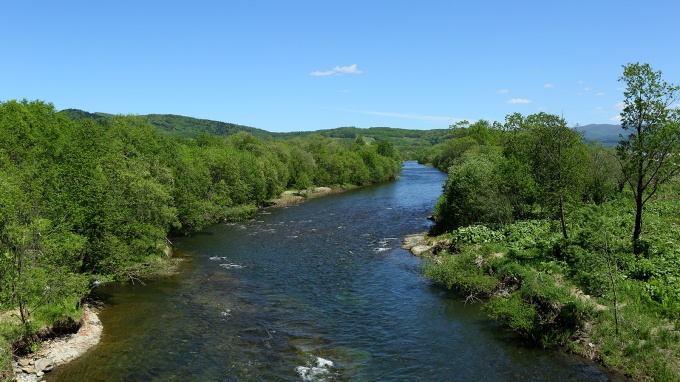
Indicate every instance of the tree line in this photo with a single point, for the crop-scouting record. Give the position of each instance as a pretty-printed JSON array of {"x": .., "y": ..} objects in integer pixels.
[
  {"x": 83, "y": 199},
  {"x": 558, "y": 232}
]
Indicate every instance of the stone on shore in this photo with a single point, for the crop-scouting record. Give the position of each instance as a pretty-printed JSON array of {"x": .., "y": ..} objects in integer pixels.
[{"x": 416, "y": 244}]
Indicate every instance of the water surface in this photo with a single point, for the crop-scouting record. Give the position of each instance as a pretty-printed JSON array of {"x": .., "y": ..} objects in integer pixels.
[{"x": 320, "y": 291}]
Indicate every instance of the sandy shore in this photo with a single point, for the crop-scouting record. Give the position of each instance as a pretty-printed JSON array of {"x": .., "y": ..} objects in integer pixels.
[{"x": 60, "y": 350}]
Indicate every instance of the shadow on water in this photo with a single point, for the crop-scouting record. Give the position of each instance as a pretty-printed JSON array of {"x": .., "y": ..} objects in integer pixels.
[{"x": 320, "y": 292}]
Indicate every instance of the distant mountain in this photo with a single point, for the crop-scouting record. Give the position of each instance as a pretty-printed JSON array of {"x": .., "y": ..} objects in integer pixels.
[{"x": 606, "y": 134}]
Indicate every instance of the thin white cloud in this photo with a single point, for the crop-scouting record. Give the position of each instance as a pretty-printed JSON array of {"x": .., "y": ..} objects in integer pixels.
[
  {"x": 581, "y": 82},
  {"x": 428, "y": 118},
  {"x": 587, "y": 89},
  {"x": 620, "y": 105},
  {"x": 549, "y": 86},
  {"x": 503, "y": 91},
  {"x": 542, "y": 108},
  {"x": 600, "y": 94},
  {"x": 621, "y": 88},
  {"x": 338, "y": 70},
  {"x": 599, "y": 108},
  {"x": 616, "y": 118},
  {"x": 513, "y": 101}
]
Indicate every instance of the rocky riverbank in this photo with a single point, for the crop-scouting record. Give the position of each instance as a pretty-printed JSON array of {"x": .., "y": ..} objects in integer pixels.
[
  {"x": 60, "y": 350},
  {"x": 417, "y": 243}
]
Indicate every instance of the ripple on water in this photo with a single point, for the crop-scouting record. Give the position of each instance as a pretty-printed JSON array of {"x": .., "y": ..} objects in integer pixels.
[{"x": 320, "y": 369}]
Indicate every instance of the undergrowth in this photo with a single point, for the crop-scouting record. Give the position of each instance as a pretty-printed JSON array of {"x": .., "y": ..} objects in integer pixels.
[{"x": 562, "y": 292}]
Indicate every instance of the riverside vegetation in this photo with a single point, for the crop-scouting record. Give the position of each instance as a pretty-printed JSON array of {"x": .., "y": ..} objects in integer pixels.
[
  {"x": 90, "y": 199},
  {"x": 571, "y": 243}
]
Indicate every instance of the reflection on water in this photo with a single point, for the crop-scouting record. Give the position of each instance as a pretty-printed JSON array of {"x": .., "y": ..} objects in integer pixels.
[{"x": 315, "y": 292}]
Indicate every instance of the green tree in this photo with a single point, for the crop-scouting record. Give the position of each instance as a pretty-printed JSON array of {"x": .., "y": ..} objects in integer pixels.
[
  {"x": 558, "y": 161},
  {"x": 650, "y": 153},
  {"x": 472, "y": 194},
  {"x": 603, "y": 175}
]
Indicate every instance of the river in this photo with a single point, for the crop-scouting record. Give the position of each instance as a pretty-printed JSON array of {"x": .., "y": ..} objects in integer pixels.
[{"x": 319, "y": 291}]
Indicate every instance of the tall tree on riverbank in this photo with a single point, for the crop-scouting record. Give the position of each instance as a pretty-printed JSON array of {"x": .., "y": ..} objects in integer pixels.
[
  {"x": 650, "y": 153},
  {"x": 558, "y": 156}
]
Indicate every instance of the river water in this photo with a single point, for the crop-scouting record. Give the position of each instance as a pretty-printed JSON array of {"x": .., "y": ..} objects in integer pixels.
[{"x": 319, "y": 291}]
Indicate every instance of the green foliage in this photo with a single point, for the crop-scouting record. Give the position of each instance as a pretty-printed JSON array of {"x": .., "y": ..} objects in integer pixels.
[
  {"x": 526, "y": 234},
  {"x": 530, "y": 167},
  {"x": 410, "y": 144},
  {"x": 177, "y": 125},
  {"x": 561, "y": 228},
  {"x": 472, "y": 194},
  {"x": 475, "y": 234},
  {"x": 461, "y": 273},
  {"x": 603, "y": 177},
  {"x": 650, "y": 152},
  {"x": 545, "y": 285},
  {"x": 541, "y": 310},
  {"x": 541, "y": 281},
  {"x": 452, "y": 151},
  {"x": 91, "y": 195}
]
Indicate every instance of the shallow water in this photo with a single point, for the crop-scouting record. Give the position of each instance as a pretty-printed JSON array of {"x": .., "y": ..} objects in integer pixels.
[{"x": 320, "y": 291}]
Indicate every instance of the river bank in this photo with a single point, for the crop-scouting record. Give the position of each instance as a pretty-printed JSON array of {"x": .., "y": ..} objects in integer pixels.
[
  {"x": 486, "y": 271},
  {"x": 62, "y": 349},
  {"x": 264, "y": 298},
  {"x": 291, "y": 197},
  {"x": 59, "y": 350}
]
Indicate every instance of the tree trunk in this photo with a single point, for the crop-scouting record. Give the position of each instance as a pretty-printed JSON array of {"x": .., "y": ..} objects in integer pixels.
[
  {"x": 562, "y": 219},
  {"x": 637, "y": 248},
  {"x": 639, "y": 201},
  {"x": 638, "y": 218}
]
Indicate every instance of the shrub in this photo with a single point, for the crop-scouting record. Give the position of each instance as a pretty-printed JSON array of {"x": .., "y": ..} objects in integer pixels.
[
  {"x": 475, "y": 234},
  {"x": 461, "y": 273},
  {"x": 540, "y": 309}
]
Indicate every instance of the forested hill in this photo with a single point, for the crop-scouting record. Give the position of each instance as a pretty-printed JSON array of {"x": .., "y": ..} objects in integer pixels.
[
  {"x": 77, "y": 115},
  {"x": 407, "y": 142},
  {"x": 171, "y": 125},
  {"x": 188, "y": 127},
  {"x": 410, "y": 143}
]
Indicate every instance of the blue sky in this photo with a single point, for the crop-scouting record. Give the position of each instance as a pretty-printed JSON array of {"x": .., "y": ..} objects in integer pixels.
[{"x": 307, "y": 65}]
